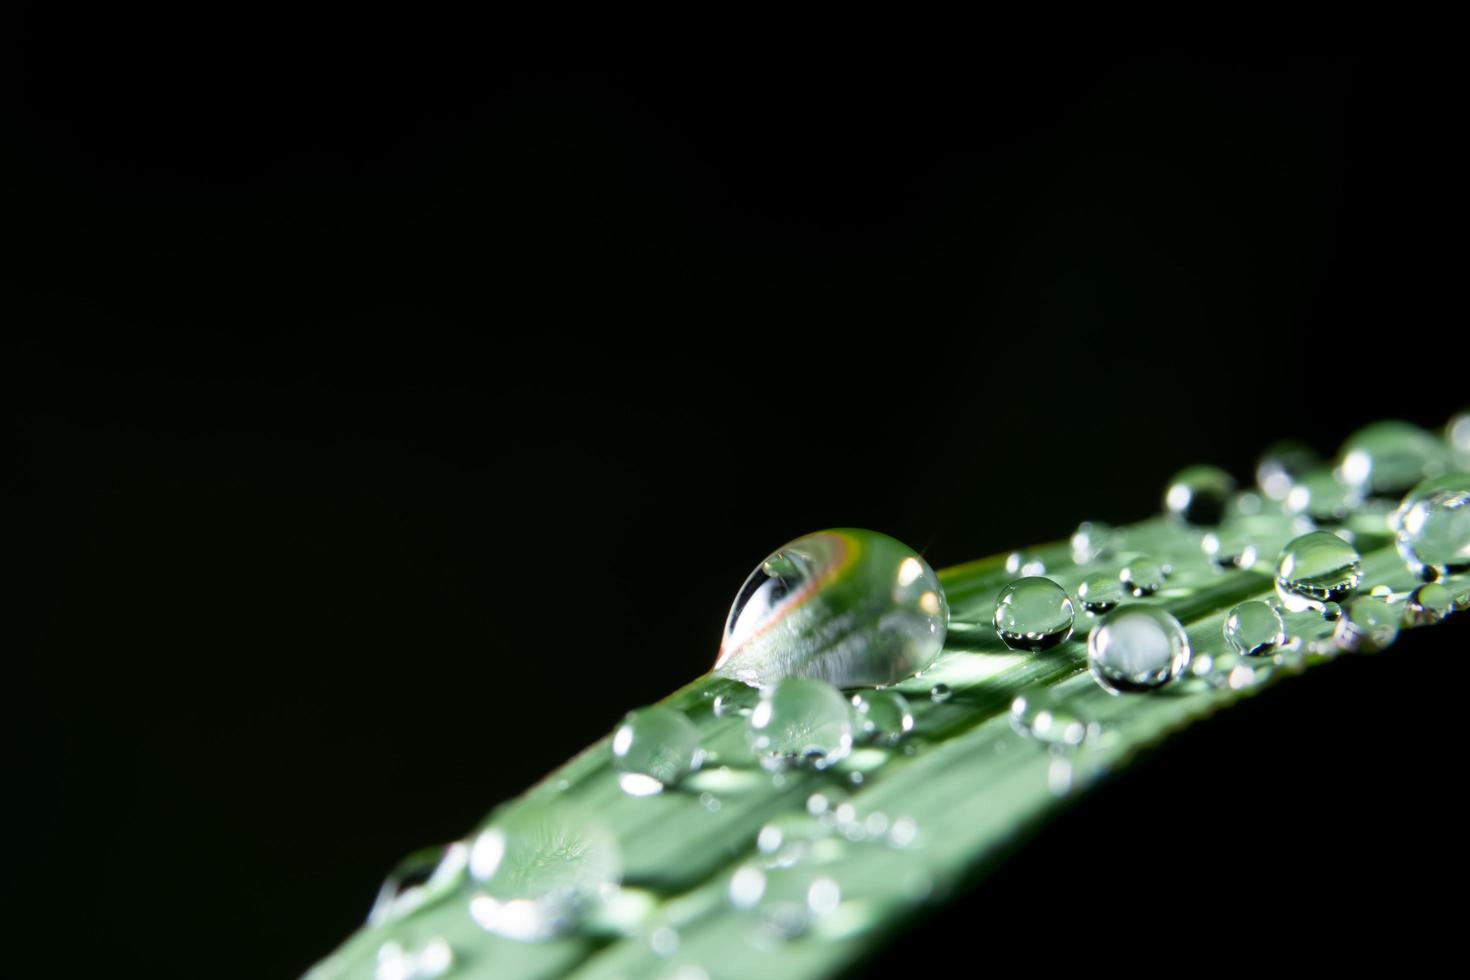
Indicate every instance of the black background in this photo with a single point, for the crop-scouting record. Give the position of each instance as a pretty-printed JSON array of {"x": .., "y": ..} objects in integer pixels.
[{"x": 395, "y": 405}]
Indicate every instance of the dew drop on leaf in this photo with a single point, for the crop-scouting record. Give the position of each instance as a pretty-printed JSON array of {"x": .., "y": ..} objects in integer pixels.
[
  {"x": 1137, "y": 648},
  {"x": 1033, "y": 613},
  {"x": 1316, "y": 568}
]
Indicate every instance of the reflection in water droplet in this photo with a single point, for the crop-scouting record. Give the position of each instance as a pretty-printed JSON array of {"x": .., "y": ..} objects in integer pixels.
[
  {"x": 1254, "y": 629},
  {"x": 1142, "y": 576},
  {"x": 654, "y": 748},
  {"x": 1198, "y": 494},
  {"x": 1387, "y": 458},
  {"x": 1428, "y": 605},
  {"x": 1137, "y": 648},
  {"x": 1092, "y": 540},
  {"x": 1281, "y": 465},
  {"x": 940, "y": 693},
  {"x": 1100, "y": 593},
  {"x": 1033, "y": 614},
  {"x": 537, "y": 870},
  {"x": 882, "y": 716},
  {"x": 1367, "y": 626},
  {"x": 851, "y": 607},
  {"x": 1316, "y": 568},
  {"x": 1040, "y": 714},
  {"x": 800, "y": 721},
  {"x": 1434, "y": 531},
  {"x": 1022, "y": 563}
]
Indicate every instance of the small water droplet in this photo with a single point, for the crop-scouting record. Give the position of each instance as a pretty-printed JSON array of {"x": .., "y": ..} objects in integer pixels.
[
  {"x": 940, "y": 693},
  {"x": 1229, "y": 546},
  {"x": 664, "y": 941},
  {"x": 1033, "y": 613},
  {"x": 1254, "y": 629},
  {"x": 653, "y": 748},
  {"x": 538, "y": 868},
  {"x": 1316, "y": 568},
  {"x": 1059, "y": 775},
  {"x": 1331, "y": 611},
  {"x": 1321, "y": 496},
  {"x": 1137, "y": 648},
  {"x": 1051, "y": 720},
  {"x": 1231, "y": 670},
  {"x": 851, "y": 607},
  {"x": 1100, "y": 593},
  {"x": 1092, "y": 540},
  {"x": 1024, "y": 563},
  {"x": 747, "y": 886},
  {"x": 903, "y": 833},
  {"x": 1428, "y": 605},
  {"x": 1457, "y": 434},
  {"x": 800, "y": 721},
  {"x": 736, "y": 703},
  {"x": 1367, "y": 626},
  {"x": 1198, "y": 494},
  {"x": 1142, "y": 576},
  {"x": 1434, "y": 530},
  {"x": 1282, "y": 464},
  {"x": 1381, "y": 592},
  {"x": 1387, "y": 458},
  {"x": 882, "y": 716},
  {"x": 433, "y": 959}
]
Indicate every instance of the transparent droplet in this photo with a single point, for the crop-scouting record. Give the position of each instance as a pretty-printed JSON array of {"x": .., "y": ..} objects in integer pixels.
[
  {"x": 1142, "y": 576},
  {"x": 421, "y": 877},
  {"x": 1024, "y": 563},
  {"x": 1198, "y": 494},
  {"x": 1254, "y": 629},
  {"x": 740, "y": 702},
  {"x": 1387, "y": 458},
  {"x": 1228, "y": 670},
  {"x": 1229, "y": 546},
  {"x": 1423, "y": 490},
  {"x": 854, "y": 608},
  {"x": 538, "y": 868},
  {"x": 1322, "y": 497},
  {"x": 1367, "y": 626},
  {"x": 1434, "y": 532},
  {"x": 1331, "y": 611},
  {"x": 1137, "y": 648},
  {"x": 1051, "y": 720},
  {"x": 1092, "y": 540},
  {"x": 1033, "y": 614},
  {"x": 882, "y": 716},
  {"x": 654, "y": 748},
  {"x": 1428, "y": 604},
  {"x": 800, "y": 721},
  {"x": 1100, "y": 593},
  {"x": 940, "y": 693},
  {"x": 1282, "y": 465},
  {"x": 1316, "y": 568}
]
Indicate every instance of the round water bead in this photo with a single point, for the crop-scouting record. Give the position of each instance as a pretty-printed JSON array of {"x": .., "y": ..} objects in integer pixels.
[
  {"x": 1434, "y": 532},
  {"x": 654, "y": 748},
  {"x": 1051, "y": 720},
  {"x": 1142, "y": 576},
  {"x": 940, "y": 693},
  {"x": 800, "y": 720},
  {"x": 1033, "y": 614},
  {"x": 1282, "y": 465},
  {"x": 1316, "y": 568},
  {"x": 1101, "y": 593},
  {"x": 1367, "y": 626},
  {"x": 1321, "y": 496},
  {"x": 1198, "y": 494},
  {"x": 1331, "y": 611},
  {"x": 1137, "y": 648},
  {"x": 851, "y": 607},
  {"x": 1254, "y": 629},
  {"x": 882, "y": 716},
  {"x": 1229, "y": 546},
  {"x": 538, "y": 868},
  {"x": 1023, "y": 563},
  {"x": 1091, "y": 541},
  {"x": 1428, "y": 604},
  {"x": 1387, "y": 458},
  {"x": 1424, "y": 490}
]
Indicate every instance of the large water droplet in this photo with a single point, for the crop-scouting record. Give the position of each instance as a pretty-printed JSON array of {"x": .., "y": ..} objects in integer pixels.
[
  {"x": 851, "y": 607},
  {"x": 1137, "y": 648},
  {"x": 882, "y": 716},
  {"x": 1198, "y": 494},
  {"x": 801, "y": 720},
  {"x": 1142, "y": 576},
  {"x": 1100, "y": 593},
  {"x": 1316, "y": 568},
  {"x": 1367, "y": 626},
  {"x": 1387, "y": 458},
  {"x": 1434, "y": 531},
  {"x": 1254, "y": 629},
  {"x": 1282, "y": 465},
  {"x": 1051, "y": 720},
  {"x": 654, "y": 748},
  {"x": 1033, "y": 614},
  {"x": 538, "y": 868}
]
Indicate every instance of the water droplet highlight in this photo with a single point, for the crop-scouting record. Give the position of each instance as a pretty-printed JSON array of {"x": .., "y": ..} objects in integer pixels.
[
  {"x": 882, "y": 716},
  {"x": 1198, "y": 494},
  {"x": 1033, "y": 614},
  {"x": 1100, "y": 593},
  {"x": 654, "y": 748},
  {"x": 1434, "y": 531},
  {"x": 1322, "y": 497},
  {"x": 1024, "y": 563},
  {"x": 1254, "y": 629},
  {"x": 1229, "y": 547},
  {"x": 1137, "y": 648},
  {"x": 940, "y": 693},
  {"x": 1316, "y": 568},
  {"x": 1051, "y": 720},
  {"x": 1142, "y": 576},
  {"x": 1282, "y": 464},
  {"x": 800, "y": 721},
  {"x": 1092, "y": 540},
  {"x": 854, "y": 608}
]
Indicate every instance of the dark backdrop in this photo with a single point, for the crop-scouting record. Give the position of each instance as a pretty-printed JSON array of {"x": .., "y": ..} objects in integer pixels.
[{"x": 392, "y": 409}]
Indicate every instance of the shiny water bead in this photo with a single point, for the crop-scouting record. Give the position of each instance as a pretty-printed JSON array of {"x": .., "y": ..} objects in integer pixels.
[
  {"x": 940, "y": 693},
  {"x": 1033, "y": 614},
  {"x": 1024, "y": 563},
  {"x": 741, "y": 701},
  {"x": 1092, "y": 540},
  {"x": 1198, "y": 494},
  {"x": 1428, "y": 604},
  {"x": 1228, "y": 670},
  {"x": 538, "y": 869},
  {"x": 800, "y": 720},
  {"x": 1100, "y": 593},
  {"x": 1054, "y": 721},
  {"x": 1142, "y": 576},
  {"x": 882, "y": 716},
  {"x": 1322, "y": 497},
  {"x": 1387, "y": 458},
  {"x": 1316, "y": 568},
  {"x": 1282, "y": 465},
  {"x": 1425, "y": 489},
  {"x": 1254, "y": 629},
  {"x": 1137, "y": 648},
  {"x": 1367, "y": 626},
  {"x": 1434, "y": 533},
  {"x": 854, "y": 608},
  {"x": 1331, "y": 611},
  {"x": 1229, "y": 546},
  {"x": 654, "y": 748}
]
